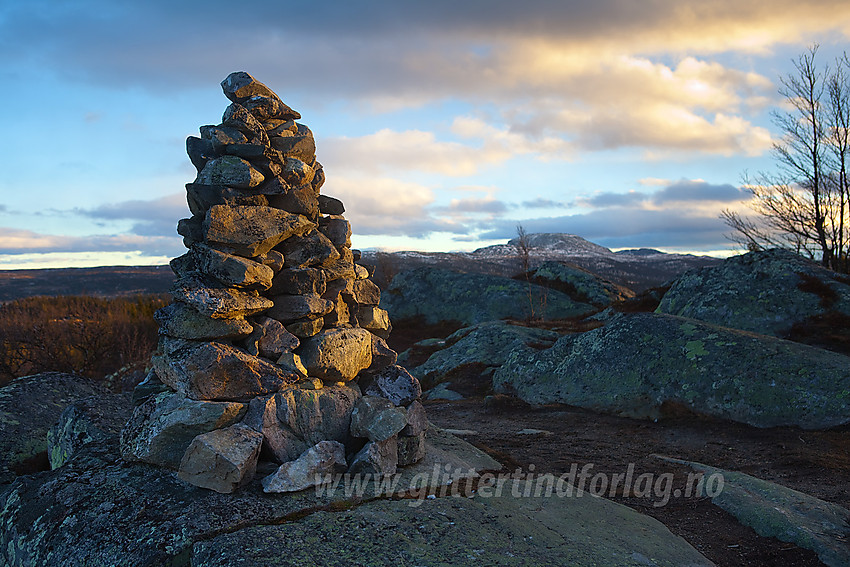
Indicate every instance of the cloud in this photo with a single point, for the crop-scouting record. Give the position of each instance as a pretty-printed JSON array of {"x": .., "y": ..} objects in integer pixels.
[
  {"x": 416, "y": 150},
  {"x": 386, "y": 206},
  {"x": 572, "y": 75},
  {"x": 610, "y": 199},
  {"x": 541, "y": 203},
  {"x": 487, "y": 205},
  {"x": 682, "y": 214},
  {"x": 16, "y": 241},
  {"x": 155, "y": 217},
  {"x": 624, "y": 227},
  {"x": 686, "y": 190}
]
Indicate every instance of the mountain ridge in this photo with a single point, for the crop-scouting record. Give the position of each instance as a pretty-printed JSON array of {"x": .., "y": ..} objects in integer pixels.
[{"x": 636, "y": 269}]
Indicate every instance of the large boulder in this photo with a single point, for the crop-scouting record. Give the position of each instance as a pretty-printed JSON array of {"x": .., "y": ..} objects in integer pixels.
[
  {"x": 579, "y": 283},
  {"x": 222, "y": 460},
  {"x": 323, "y": 458},
  {"x": 765, "y": 292},
  {"x": 442, "y": 295},
  {"x": 217, "y": 371},
  {"x": 337, "y": 354},
  {"x": 106, "y": 511},
  {"x": 29, "y": 406},
  {"x": 486, "y": 344},
  {"x": 252, "y": 231},
  {"x": 161, "y": 429},
  {"x": 637, "y": 362},
  {"x": 296, "y": 419},
  {"x": 89, "y": 420}
]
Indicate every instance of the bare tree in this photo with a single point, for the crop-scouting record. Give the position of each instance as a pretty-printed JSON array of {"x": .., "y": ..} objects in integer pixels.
[
  {"x": 803, "y": 205},
  {"x": 523, "y": 247}
]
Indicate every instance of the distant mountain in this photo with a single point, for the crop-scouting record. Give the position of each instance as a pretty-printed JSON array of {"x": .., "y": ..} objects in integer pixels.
[{"x": 637, "y": 269}]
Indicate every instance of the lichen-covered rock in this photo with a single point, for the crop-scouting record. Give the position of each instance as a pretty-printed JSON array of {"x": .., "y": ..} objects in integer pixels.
[
  {"x": 301, "y": 145},
  {"x": 443, "y": 295},
  {"x": 294, "y": 420},
  {"x": 379, "y": 458},
  {"x": 270, "y": 339},
  {"x": 261, "y": 101},
  {"x": 337, "y": 354},
  {"x": 161, "y": 429},
  {"x": 417, "y": 420},
  {"x": 252, "y": 231},
  {"x": 218, "y": 302},
  {"x": 295, "y": 281},
  {"x": 299, "y": 200},
  {"x": 579, "y": 284},
  {"x": 222, "y": 460},
  {"x": 233, "y": 271},
  {"x": 92, "y": 419},
  {"x": 181, "y": 321},
  {"x": 377, "y": 419},
  {"x": 487, "y": 344},
  {"x": 311, "y": 468},
  {"x": 395, "y": 384},
  {"x": 218, "y": 371},
  {"x": 375, "y": 320},
  {"x": 337, "y": 229},
  {"x": 330, "y": 206},
  {"x": 509, "y": 529},
  {"x": 637, "y": 362},
  {"x": 765, "y": 292},
  {"x": 29, "y": 406},
  {"x": 232, "y": 171},
  {"x": 312, "y": 249},
  {"x": 382, "y": 355},
  {"x": 411, "y": 449},
  {"x": 112, "y": 512},
  {"x": 289, "y": 308},
  {"x": 201, "y": 197}
]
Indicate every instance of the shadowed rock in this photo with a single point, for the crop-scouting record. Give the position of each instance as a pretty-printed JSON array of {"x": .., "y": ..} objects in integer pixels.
[
  {"x": 637, "y": 362},
  {"x": 442, "y": 295},
  {"x": 161, "y": 429},
  {"x": 221, "y": 460},
  {"x": 764, "y": 292},
  {"x": 310, "y": 469},
  {"x": 29, "y": 406},
  {"x": 135, "y": 514}
]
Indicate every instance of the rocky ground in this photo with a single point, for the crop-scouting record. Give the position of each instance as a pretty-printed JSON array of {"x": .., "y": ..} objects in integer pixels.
[
  {"x": 815, "y": 463},
  {"x": 552, "y": 438}
]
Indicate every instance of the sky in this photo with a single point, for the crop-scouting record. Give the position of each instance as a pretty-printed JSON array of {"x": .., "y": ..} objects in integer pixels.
[{"x": 441, "y": 125}]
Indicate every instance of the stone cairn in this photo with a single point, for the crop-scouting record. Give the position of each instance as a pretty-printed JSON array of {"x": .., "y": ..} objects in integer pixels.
[{"x": 273, "y": 349}]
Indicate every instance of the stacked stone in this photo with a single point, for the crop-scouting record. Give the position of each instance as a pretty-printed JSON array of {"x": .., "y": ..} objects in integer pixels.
[{"x": 274, "y": 345}]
